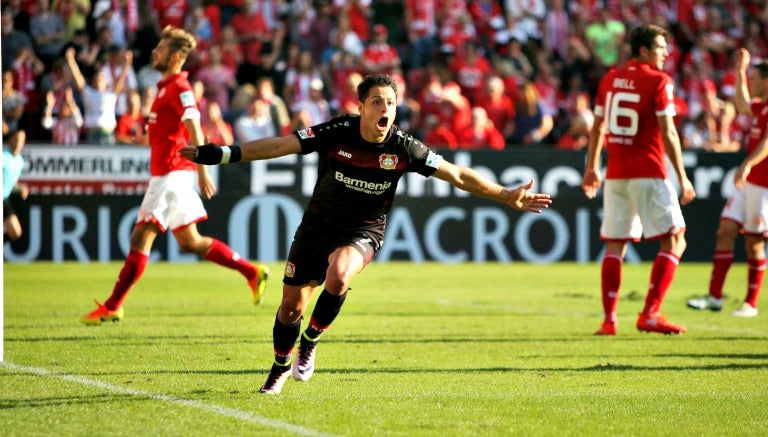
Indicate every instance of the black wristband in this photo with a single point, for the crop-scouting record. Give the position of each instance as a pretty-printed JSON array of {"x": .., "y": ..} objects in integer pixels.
[
  {"x": 208, "y": 154},
  {"x": 236, "y": 153}
]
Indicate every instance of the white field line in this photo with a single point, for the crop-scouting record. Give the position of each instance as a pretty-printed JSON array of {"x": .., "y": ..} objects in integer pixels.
[{"x": 208, "y": 408}]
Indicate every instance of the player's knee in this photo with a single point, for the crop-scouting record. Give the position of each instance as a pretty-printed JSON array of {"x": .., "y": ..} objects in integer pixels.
[
  {"x": 337, "y": 284},
  {"x": 186, "y": 246},
  {"x": 679, "y": 244},
  {"x": 727, "y": 233}
]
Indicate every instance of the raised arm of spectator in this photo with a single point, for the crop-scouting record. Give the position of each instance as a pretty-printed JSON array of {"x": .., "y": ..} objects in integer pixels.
[
  {"x": 50, "y": 102},
  {"x": 77, "y": 75},
  {"x": 741, "y": 97},
  {"x": 122, "y": 77}
]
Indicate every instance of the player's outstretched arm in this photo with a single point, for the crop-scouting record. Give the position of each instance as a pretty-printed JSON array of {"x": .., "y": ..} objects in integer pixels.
[
  {"x": 265, "y": 148},
  {"x": 471, "y": 181}
]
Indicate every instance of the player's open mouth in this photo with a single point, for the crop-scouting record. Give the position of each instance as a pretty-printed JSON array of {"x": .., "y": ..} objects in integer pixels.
[{"x": 383, "y": 122}]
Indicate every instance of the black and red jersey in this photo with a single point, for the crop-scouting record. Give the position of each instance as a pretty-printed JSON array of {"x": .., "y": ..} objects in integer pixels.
[{"x": 357, "y": 179}]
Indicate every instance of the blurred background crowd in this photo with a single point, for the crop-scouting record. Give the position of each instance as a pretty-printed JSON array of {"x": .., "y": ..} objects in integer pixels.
[{"x": 473, "y": 74}]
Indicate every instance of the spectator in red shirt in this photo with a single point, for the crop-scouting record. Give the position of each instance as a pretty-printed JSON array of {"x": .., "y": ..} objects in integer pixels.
[
  {"x": 215, "y": 128},
  {"x": 252, "y": 33},
  {"x": 480, "y": 134},
  {"x": 498, "y": 105},
  {"x": 357, "y": 11},
  {"x": 170, "y": 12},
  {"x": 231, "y": 52},
  {"x": 453, "y": 109},
  {"x": 378, "y": 55},
  {"x": 131, "y": 125},
  {"x": 488, "y": 18},
  {"x": 470, "y": 69},
  {"x": 438, "y": 135}
]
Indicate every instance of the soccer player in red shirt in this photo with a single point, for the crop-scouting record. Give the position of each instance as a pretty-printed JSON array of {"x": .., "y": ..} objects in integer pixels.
[
  {"x": 361, "y": 159},
  {"x": 634, "y": 112},
  {"x": 171, "y": 201},
  {"x": 745, "y": 211}
]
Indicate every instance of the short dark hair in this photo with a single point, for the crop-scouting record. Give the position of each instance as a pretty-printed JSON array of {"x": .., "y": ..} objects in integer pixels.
[
  {"x": 644, "y": 36},
  {"x": 762, "y": 68},
  {"x": 372, "y": 80}
]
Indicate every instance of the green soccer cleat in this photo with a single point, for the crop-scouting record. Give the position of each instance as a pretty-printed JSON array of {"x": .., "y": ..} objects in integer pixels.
[{"x": 259, "y": 283}]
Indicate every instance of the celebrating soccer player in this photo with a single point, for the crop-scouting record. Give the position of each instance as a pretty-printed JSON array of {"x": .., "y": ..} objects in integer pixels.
[{"x": 362, "y": 158}]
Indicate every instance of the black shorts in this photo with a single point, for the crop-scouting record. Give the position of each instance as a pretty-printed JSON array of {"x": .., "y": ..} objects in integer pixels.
[
  {"x": 7, "y": 209},
  {"x": 308, "y": 257}
]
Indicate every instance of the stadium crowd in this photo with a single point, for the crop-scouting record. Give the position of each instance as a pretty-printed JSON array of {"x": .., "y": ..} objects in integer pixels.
[{"x": 473, "y": 74}]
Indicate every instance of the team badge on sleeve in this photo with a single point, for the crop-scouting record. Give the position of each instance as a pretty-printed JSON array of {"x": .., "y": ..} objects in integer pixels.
[
  {"x": 187, "y": 98},
  {"x": 433, "y": 160}
]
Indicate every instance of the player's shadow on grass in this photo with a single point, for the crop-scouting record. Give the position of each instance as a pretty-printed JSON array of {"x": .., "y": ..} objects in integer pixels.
[
  {"x": 606, "y": 367},
  {"x": 98, "y": 399},
  {"x": 724, "y": 355}
]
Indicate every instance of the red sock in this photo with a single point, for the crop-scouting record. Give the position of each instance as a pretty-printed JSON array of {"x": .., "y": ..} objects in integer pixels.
[
  {"x": 662, "y": 273},
  {"x": 754, "y": 280},
  {"x": 610, "y": 276},
  {"x": 721, "y": 262},
  {"x": 133, "y": 268},
  {"x": 223, "y": 255}
]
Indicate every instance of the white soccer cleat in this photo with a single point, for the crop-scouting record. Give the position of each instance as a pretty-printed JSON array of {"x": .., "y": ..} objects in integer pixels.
[
  {"x": 746, "y": 310},
  {"x": 276, "y": 379},
  {"x": 304, "y": 366},
  {"x": 706, "y": 303}
]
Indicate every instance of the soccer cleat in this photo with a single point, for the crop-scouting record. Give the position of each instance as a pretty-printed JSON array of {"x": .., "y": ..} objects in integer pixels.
[
  {"x": 304, "y": 366},
  {"x": 276, "y": 379},
  {"x": 259, "y": 283},
  {"x": 706, "y": 303},
  {"x": 607, "y": 328},
  {"x": 102, "y": 314},
  {"x": 657, "y": 322},
  {"x": 746, "y": 310}
]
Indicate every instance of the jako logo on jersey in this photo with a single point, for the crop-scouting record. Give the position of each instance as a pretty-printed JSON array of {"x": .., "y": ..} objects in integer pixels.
[
  {"x": 345, "y": 154},
  {"x": 306, "y": 133},
  {"x": 290, "y": 269},
  {"x": 388, "y": 162}
]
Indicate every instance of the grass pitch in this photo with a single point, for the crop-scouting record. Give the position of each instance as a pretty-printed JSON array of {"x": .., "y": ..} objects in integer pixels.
[{"x": 419, "y": 349}]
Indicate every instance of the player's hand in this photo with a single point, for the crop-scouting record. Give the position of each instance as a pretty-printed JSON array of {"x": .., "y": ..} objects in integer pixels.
[
  {"x": 741, "y": 174},
  {"x": 207, "y": 187},
  {"x": 523, "y": 199},
  {"x": 688, "y": 192},
  {"x": 590, "y": 183},
  {"x": 741, "y": 59},
  {"x": 208, "y": 154}
]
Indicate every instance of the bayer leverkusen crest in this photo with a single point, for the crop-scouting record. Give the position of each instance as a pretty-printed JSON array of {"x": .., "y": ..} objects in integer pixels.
[{"x": 388, "y": 162}]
